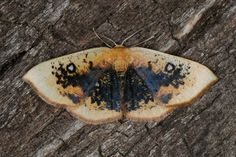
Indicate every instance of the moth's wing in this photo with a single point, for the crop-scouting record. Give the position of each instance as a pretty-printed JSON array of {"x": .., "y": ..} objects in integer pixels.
[
  {"x": 155, "y": 114},
  {"x": 173, "y": 82},
  {"x": 91, "y": 116},
  {"x": 181, "y": 78},
  {"x": 67, "y": 82},
  {"x": 139, "y": 99},
  {"x": 103, "y": 101}
]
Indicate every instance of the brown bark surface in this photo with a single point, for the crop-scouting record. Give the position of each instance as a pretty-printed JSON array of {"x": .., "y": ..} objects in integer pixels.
[{"x": 32, "y": 31}]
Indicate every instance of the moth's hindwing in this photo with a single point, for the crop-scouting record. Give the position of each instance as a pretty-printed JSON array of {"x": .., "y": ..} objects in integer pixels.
[{"x": 77, "y": 83}]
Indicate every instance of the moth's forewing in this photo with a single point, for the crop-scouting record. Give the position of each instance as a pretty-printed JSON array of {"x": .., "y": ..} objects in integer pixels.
[
  {"x": 178, "y": 80},
  {"x": 173, "y": 82},
  {"x": 67, "y": 81}
]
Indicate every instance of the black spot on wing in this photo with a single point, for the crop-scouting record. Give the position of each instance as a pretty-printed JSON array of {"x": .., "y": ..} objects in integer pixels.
[
  {"x": 165, "y": 98},
  {"x": 74, "y": 98},
  {"x": 90, "y": 65},
  {"x": 71, "y": 68},
  {"x": 169, "y": 67}
]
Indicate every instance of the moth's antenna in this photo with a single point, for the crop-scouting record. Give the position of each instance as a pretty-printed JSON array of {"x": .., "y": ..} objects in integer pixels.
[
  {"x": 110, "y": 40},
  {"x": 145, "y": 40},
  {"x": 136, "y": 33},
  {"x": 130, "y": 36},
  {"x": 103, "y": 40}
]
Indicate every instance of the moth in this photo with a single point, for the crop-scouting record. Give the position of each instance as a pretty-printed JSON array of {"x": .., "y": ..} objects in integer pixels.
[{"x": 103, "y": 84}]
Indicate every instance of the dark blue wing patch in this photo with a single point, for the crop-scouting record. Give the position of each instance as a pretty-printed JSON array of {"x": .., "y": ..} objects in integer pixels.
[
  {"x": 136, "y": 90},
  {"x": 104, "y": 85},
  {"x": 143, "y": 83},
  {"x": 171, "y": 75},
  {"x": 106, "y": 90}
]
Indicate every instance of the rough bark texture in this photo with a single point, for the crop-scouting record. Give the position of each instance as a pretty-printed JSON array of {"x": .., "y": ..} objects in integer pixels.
[{"x": 32, "y": 31}]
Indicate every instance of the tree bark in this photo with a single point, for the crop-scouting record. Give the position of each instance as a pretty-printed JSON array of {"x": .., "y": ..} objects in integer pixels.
[{"x": 32, "y": 31}]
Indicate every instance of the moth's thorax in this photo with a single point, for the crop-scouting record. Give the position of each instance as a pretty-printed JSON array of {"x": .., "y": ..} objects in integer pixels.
[
  {"x": 121, "y": 58},
  {"x": 120, "y": 65}
]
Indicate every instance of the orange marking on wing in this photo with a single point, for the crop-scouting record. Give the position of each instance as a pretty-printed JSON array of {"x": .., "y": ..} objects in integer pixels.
[
  {"x": 94, "y": 106},
  {"x": 174, "y": 91},
  {"x": 119, "y": 58},
  {"x": 77, "y": 91},
  {"x": 74, "y": 90}
]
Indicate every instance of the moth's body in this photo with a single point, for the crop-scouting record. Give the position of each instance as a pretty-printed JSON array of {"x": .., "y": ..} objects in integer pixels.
[{"x": 102, "y": 84}]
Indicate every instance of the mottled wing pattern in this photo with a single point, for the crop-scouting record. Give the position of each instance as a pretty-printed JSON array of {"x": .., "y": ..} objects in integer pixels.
[
  {"x": 106, "y": 89},
  {"x": 77, "y": 83},
  {"x": 166, "y": 82},
  {"x": 136, "y": 90},
  {"x": 139, "y": 97},
  {"x": 103, "y": 101}
]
